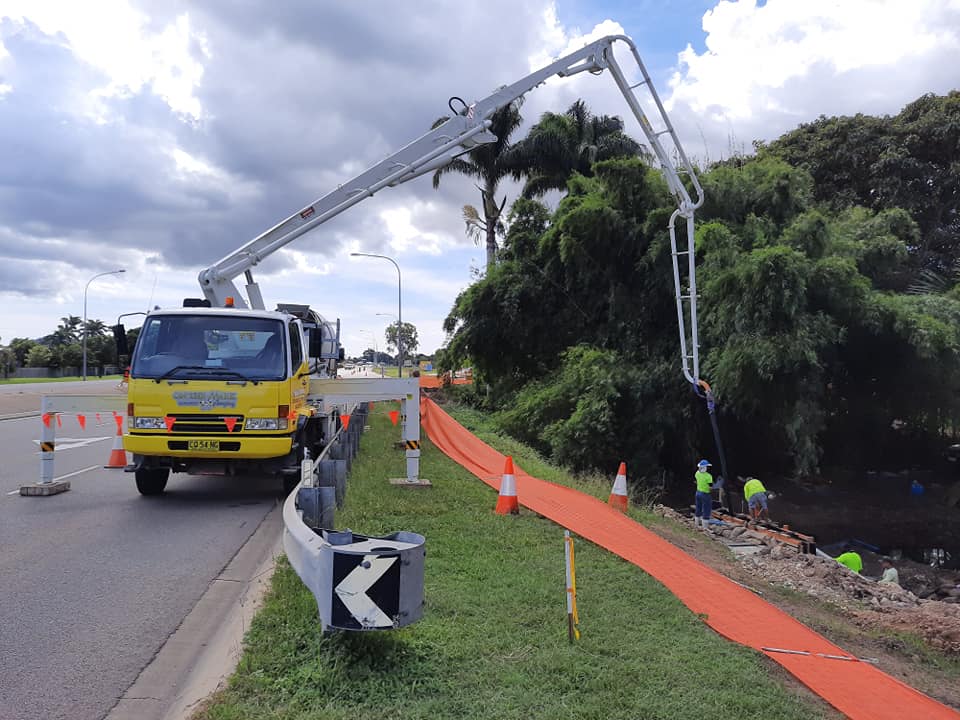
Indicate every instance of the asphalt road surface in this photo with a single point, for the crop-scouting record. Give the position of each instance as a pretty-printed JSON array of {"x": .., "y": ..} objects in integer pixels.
[{"x": 93, "y": 581}]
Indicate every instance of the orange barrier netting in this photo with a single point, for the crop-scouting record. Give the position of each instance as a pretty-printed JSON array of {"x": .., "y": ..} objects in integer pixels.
[
  {"x": 432, "y": 381},
  {"x": 855, "y": 688}
]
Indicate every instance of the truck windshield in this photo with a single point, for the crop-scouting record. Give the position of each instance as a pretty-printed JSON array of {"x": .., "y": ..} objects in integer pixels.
[{"x": 210, "y": 347}]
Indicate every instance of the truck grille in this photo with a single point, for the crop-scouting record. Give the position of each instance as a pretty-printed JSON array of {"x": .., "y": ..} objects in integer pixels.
[{"x": 198, "y": 424}]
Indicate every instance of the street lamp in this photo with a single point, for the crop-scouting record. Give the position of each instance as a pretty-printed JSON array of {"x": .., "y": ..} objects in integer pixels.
[
  {"x": 110, "y": 272},
  {"x": 399, "y": 305}
]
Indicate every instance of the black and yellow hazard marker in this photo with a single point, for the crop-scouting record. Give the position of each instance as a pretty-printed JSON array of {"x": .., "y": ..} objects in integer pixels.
[
  {"x": 412, "y": 444},
  {"x": 46, "y": 446}
]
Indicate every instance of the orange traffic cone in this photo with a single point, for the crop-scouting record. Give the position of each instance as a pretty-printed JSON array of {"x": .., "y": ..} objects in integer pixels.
[
  {"x": 618, "y": 496},
  {"x": 118, "y": 458},
  {"x": 507, "y": 500}
]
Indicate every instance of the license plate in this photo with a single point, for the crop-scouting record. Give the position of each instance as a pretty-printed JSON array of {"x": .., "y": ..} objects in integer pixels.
[{"x": 203, "y": 445}]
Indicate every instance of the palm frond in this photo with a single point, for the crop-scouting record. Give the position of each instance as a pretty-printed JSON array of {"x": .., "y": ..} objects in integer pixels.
[{"x": 457, "y": 165}]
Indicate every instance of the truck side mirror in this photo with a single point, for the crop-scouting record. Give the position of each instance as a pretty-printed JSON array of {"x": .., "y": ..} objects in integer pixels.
[
  {"x": 120, "y": 338},
  {"x": 315, "y": 341},
  {"x": 343, "y": 353}
]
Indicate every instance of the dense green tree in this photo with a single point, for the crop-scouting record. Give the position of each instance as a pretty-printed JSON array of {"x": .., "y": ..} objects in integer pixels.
[
  {"x": 909, "y": 161},
  {"x": 71, "y": 356},
  {"x": 405, "y": 333},
  {"x": 21, "y": 348},
  {"x": 39, "y": 356},
  {"x": 816, "y": 352}
]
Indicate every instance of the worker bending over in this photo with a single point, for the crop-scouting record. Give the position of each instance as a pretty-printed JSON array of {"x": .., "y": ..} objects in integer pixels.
[
  {"x": 851, "y": 560},
  {"x": 756, "y": 495}
]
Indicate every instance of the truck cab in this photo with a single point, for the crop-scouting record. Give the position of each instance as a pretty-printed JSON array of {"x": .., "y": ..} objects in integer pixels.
[{"x": 224, "y": 391}]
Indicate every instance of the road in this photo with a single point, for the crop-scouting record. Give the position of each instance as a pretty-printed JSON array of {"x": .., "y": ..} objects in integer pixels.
[{"x": 93, "y": 581}]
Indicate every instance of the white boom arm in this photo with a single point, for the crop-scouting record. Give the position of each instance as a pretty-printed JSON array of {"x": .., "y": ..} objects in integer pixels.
[{"x": 459, "y": 135}]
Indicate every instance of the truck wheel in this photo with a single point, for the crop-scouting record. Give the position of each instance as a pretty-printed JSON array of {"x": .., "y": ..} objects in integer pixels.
[{"x": 152, "y": 481}]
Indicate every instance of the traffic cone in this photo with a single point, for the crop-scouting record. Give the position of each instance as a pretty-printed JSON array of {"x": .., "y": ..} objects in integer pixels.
[
  {"x": 618, "y": 496},
  {"x": 118, "y": 458},
  {"x": 507, "y": 499}
]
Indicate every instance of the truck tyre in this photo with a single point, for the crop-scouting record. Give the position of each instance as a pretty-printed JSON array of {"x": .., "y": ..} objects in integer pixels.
[{"x": 152, "y": 481}]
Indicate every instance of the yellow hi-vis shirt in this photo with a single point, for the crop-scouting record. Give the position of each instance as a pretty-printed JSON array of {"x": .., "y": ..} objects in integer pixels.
[
  {"x": 752, "y": 487},
  {"x": 704, "y": 481}
]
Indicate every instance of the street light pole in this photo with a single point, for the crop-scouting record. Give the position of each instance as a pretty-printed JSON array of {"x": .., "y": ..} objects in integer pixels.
[
  {"x": 87, "y": 287},
  {"x": 399, "y": 306}
]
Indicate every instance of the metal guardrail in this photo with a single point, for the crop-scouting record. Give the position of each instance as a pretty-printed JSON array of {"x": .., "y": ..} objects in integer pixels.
[{"x": 359, "y": 582}]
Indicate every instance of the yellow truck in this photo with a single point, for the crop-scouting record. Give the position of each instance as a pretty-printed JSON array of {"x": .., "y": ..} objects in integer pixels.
[{"x": 224, "y": 391}]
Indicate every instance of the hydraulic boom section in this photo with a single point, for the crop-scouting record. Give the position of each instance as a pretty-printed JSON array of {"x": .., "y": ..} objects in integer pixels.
[{"x": 462, "y": 133}]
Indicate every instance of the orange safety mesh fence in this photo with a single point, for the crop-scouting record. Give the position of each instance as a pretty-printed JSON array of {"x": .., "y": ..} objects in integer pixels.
[
  {"x": 856, "y": 688},
  {"x": 433, "y": 381}
]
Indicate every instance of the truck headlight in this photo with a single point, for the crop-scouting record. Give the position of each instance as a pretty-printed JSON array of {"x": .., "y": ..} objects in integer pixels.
[
  {"x": 149, "y": 423},
  {"x": 265, "y": 424}
]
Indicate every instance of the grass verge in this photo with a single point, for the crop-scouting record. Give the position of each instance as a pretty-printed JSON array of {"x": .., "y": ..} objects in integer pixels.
[
  {"x": 29, "y": 381},
  {"x": 492, "y": 642}
]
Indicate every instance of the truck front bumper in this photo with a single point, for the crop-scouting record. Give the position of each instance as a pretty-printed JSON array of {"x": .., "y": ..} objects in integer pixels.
[{"x": 198, "y": 447}]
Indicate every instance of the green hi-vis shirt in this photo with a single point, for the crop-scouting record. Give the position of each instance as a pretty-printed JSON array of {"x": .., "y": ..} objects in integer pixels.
[
  {"x": 752, "y": 487},
  {"x": 851, "y": 560},
  {"x": 704, "y": 481}
]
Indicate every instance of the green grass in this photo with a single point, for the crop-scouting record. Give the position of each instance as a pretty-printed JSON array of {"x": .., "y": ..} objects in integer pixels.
[
  {"x": 25, "y": 381},
  {"x": 493, "y": 639}
]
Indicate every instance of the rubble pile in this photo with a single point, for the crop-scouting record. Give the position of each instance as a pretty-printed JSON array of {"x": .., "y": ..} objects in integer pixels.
[{"x": 933, "y": 612}]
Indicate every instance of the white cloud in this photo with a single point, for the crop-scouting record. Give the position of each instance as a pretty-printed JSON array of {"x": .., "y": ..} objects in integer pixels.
[
  {"x": 768, "y": 68},
  {"x": 118, "y": 40}
]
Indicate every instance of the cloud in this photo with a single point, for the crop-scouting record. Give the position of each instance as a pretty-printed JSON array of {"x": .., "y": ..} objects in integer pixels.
[{"x": 769, "y": 67}]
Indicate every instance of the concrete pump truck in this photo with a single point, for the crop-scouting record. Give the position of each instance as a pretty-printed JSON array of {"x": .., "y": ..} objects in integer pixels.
[{"x": 222, "y": 385}]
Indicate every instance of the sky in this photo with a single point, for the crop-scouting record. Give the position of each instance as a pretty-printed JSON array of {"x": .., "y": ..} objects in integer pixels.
[{"x": 159, "y": 135}]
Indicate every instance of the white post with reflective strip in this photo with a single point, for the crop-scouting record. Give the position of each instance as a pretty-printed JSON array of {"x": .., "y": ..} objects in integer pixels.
[
  {"x": 48, "y": 439},
  {"x": 411, "y": 435}
]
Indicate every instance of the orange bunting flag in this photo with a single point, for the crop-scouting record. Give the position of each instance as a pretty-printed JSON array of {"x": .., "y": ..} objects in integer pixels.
[
  {"x": 83, "y": 421},
  {"x": 99, "y": 421},
  {"x": 394, "y": 416},
  {"x": 345, "y": 421},
  {"x": 46, "y": 419},
  {"x": 230, "y": 422},
  {"x": 169, "y": 421},
  {"x": 59, "y": 421}
]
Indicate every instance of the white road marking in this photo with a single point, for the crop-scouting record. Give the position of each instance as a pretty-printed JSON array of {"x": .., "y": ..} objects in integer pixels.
[
  {"x": 64, "y": 477},
  {"x": 64, "y": 443},
  {"x": 352, "y": 591}
]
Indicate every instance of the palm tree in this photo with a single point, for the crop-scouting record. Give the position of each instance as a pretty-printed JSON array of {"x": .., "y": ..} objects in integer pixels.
[
  {"x": 563, "y": 144},
  {"x": 487, "y": 163},
  {"x": 67, "y": 332},
  {"x": 96, "y": 328}
]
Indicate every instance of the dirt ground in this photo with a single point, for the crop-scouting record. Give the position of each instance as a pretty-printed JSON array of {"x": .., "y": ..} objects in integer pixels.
[{"x": 914, "y": 639}]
